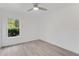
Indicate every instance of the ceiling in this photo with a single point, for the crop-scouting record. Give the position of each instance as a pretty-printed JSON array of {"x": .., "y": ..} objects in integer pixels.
[{"x": 23, "y": 7}]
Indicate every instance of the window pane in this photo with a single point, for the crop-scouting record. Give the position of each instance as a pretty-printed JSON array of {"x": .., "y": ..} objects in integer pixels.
[{"x": 13, "y": 27}]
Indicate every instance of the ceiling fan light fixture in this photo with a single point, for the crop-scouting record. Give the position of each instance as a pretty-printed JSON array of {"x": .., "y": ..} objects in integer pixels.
[{"x": 36, "y": 8}]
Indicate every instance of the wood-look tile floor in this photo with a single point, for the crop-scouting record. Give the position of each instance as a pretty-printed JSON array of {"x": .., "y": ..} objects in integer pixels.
[{"x": 35, "y": 48}]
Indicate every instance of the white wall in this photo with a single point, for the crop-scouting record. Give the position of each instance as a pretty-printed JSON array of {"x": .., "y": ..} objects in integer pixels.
[
  {"x": 62, "y": 28},
  {"x": 28, "y": 26}
]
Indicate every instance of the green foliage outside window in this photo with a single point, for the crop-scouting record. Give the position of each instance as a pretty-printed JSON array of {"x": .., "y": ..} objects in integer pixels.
[{"x": 13, "y": 27}]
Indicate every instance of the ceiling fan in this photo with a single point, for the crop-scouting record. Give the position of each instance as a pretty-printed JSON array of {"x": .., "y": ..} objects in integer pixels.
[{"x": 36, "y": 7}]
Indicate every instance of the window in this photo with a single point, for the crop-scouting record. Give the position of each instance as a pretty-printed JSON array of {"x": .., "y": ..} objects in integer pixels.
[{"x": 13, "y": 27}]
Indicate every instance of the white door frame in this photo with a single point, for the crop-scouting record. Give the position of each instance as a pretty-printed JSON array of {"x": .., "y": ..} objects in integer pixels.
[{"x": 0, "y": 32}]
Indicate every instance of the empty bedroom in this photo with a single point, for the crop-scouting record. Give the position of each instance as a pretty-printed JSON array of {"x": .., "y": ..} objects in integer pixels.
[{"x": 39, "y": 29}]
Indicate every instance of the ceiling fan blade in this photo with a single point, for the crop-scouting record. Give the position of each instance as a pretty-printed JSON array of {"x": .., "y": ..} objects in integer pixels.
[
  {"x": 30, "y": 9},
  {"x": 41, "y": 8}
]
